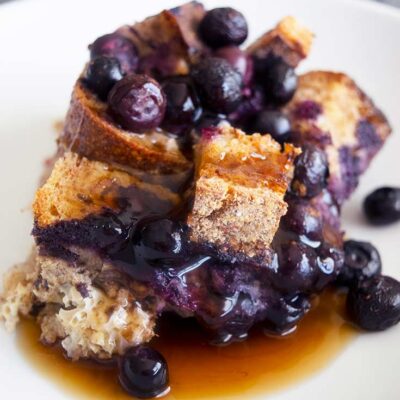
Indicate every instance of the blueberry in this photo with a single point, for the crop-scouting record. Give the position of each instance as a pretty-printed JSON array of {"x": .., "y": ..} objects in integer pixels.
[
  {"x": 222, "y": 27},
  {"x": 284, "y": 314},
  {"x": 362, "y": 261},
  {"x": 382, "y": 206},
  {"x": 279, "y": 82},
  {"x": 311, "y": 172},
  {"x": 119, "y": 47},
  {"x": 273, "y": 122},
  {"x": 137, "y": 102},
  {"x": 101, "y": 75},
  {"x": 239, "y": 60},
  {"x": 183, "y": 106},
  {"x": 218, "y": 84},
  {"x": 303, "y": 219},
  {"x": 374, "y": 305},
  {"x": 296, "y": 268},
  {"x": 143, "y": 372}
]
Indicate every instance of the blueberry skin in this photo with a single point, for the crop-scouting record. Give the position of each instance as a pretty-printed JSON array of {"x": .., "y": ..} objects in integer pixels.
[
  {"x": 218, "y": 85},
  {"x": 362, "y": 262},
  {"x": 143, "y": 373},
  {"x": 311, "y": 172},
  {"x": 273, "y": 122},
  {"x": 222, "y": 27},
  {"x": 183, "y": 106},
  {"x": 119, "y": 47},
  {"x": 279, "y": 82},
  {"x": 239, "y": 60},
  {"x": 137, "y": 102},
  {"x": 101, "y": 75},
  {"x": 382, "y": 206},
  {"x": 375, "y": 304}
]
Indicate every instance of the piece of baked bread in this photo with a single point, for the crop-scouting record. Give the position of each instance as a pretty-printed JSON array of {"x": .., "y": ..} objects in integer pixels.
[
  {"x": 289, "y": 40},
  {"x": 78, "y": 187},
  {"x": 330, "y": 110},
  {"x": 241, "y": 181},
  {"x": 91, "y": 132}
]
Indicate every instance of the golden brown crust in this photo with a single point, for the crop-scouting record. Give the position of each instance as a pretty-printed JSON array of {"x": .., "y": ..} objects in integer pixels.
[
  {"x": 78, "y": 187},
  {"x": 240, "y": 186},
  {"x": 289, "y": 40},
  {"x": 91, "y": 133}
]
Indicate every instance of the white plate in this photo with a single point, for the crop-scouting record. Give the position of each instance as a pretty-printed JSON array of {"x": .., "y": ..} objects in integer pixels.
[{"x": 42, "y": 50}]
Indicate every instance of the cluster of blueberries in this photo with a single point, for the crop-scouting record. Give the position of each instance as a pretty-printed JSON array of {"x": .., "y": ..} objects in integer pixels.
[
  {"x": 226, "y": 85},
  {"x": 230, "y": 85}
]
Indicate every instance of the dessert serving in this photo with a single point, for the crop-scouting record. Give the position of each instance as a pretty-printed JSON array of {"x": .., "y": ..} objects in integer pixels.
[{"x": 197, "y": 178}]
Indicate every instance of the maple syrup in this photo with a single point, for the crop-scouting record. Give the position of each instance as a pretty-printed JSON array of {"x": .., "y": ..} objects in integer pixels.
[{"x": 259, "y": 365}]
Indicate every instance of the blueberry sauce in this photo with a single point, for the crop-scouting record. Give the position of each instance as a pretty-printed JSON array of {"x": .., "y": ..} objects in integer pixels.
[{"x": 147, "y": 239}]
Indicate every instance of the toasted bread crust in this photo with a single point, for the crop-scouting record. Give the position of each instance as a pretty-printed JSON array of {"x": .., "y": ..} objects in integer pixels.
[
  {"x": 89, "y": 132},
  {"x": 289, "y": 40},
  {"x": 169, "y": 36},
  {"x": 234, "y": 212},
  {"x": 336, "y": 128},
  {"x": 78, "y": 187}
]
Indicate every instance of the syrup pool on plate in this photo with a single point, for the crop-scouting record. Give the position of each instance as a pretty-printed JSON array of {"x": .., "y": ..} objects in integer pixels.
[{"x": 259, "y": 365}]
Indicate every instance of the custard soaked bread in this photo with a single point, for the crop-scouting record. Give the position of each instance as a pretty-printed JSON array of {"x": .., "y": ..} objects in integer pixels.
[
  {"x": 241, "y": 182},
  {"x": 332, "y": 112}
]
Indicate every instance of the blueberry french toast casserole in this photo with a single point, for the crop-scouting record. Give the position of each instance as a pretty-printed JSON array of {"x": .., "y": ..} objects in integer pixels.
[{"x": 197, "y": 177}]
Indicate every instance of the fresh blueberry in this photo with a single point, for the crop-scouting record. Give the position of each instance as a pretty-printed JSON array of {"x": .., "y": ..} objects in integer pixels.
[
  {"x": 310, "y": 173},
  {"x": 382, "y": 206},
  {"x": 374, "y": 305},
  {"x": 143, "y": 373},
  {"x": 239, "y": 60},
  {"x": 273, "y": 122},
  {"x": 101, "y": 75},
  {"x": 183, "y": 106},
  {"x": 279, "y": 82},
  {"x": 119, "y": 47},
  {"x": 137, "y": 102},
  {"x": 218, "y": 84},
  {"x": 362, "y": 261},
  {"x": 223, "y": 27}
]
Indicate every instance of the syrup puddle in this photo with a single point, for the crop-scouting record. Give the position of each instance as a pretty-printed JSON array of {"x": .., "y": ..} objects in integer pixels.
[{"x": 259, "y": 365}]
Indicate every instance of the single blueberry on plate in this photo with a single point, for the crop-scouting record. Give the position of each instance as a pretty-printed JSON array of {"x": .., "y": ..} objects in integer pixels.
[
  {"x": 119, "y": 47},
  {"x": 374, "y": 305},
  {"x": 137, "y": 102},
  {"x": 222, "y": 27},
  {"x": 362, "y": 261},
  {"x": 143, "y": 372},
  {"x": 382, "y": 206},
  {"x": 273, "y": 122},
  {"x": 218, "y": 84},
  {"x": 101, "y": 75}
]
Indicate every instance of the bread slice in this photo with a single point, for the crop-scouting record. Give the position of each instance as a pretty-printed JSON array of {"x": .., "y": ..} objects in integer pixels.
[
  {"x": 289, "y": 40},
  {"x": 331, "y": 111},
  {"x": 241, "y": 181},
  {"x": 78, "y": 187},
  {"x": 91, "y": 132}
]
